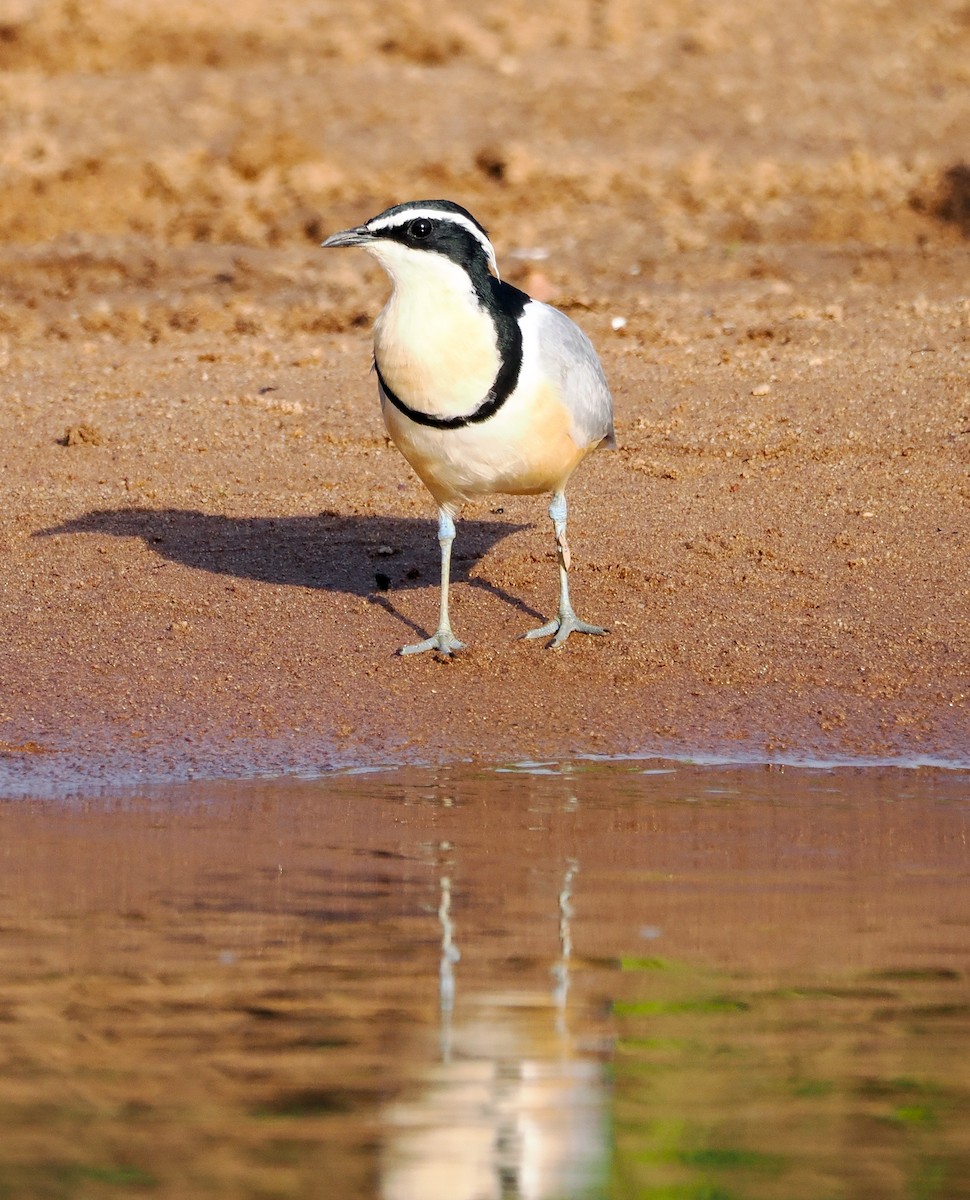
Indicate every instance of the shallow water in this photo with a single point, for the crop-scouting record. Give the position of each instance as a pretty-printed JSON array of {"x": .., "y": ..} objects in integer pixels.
[{"x": 646, "y": 980}]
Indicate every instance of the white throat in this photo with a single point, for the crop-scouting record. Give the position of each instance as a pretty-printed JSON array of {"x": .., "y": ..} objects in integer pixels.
[{"x": 422, "y": 273}]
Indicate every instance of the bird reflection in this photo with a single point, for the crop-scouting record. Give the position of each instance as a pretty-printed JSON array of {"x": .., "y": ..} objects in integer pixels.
[
  {"x": 450, "y": 954},
  {"x": 511, "y": 1110},
  {"x": 560, "y": 972}
]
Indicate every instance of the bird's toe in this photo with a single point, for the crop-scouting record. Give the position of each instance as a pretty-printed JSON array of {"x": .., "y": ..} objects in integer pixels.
[
  {"x": 561, "y": 627},
  {"x": 444, "y": 641},
  {"x": 546, "y": 630}
]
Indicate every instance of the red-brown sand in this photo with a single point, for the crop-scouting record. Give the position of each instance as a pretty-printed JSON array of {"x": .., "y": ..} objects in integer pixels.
[{"x": 209, "y": 552}]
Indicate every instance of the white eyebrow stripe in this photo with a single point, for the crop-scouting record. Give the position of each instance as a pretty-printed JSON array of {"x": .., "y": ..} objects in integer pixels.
[{"x": 437, "y": 214}]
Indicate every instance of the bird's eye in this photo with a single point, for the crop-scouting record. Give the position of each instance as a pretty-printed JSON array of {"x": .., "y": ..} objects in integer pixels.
[{"x": 420, "y": 227}]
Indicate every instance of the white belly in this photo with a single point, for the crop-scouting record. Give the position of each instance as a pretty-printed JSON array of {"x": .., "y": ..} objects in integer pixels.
[{"x": 526, "y": 448}]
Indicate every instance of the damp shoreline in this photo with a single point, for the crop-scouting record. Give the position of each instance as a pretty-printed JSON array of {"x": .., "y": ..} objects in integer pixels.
[{"x": 54, "y": 775}]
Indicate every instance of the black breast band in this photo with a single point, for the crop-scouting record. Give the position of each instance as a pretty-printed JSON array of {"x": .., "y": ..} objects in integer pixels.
[{"x": 510, "y": 359}]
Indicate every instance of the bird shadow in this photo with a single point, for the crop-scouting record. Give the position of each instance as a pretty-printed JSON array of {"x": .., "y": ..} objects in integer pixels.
[{"x": 359, "y": 555}]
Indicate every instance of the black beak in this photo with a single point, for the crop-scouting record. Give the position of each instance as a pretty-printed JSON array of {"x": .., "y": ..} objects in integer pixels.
[{"x": 358, "y": 236}]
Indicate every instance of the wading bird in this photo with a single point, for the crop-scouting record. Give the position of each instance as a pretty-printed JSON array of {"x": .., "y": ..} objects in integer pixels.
[{"x": 483, "y": 389}]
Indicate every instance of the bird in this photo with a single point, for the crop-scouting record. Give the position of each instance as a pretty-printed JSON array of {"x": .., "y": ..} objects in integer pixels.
[{"x": 482, "y": 388}]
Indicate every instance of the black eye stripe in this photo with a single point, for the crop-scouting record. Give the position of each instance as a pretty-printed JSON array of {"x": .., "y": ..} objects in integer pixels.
[{"x": 454, "y": 239}]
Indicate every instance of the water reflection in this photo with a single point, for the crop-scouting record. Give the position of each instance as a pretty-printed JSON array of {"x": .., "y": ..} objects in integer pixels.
[
  {"x": 512, "y": 1108},
  {"x": 560, "y": 970},
  {"x": 643, "y": 982},
  {"x": 450, "y": 954}
]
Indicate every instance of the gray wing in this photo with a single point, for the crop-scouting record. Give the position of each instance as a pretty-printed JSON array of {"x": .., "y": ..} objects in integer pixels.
[{"x": 568, "y": 359}]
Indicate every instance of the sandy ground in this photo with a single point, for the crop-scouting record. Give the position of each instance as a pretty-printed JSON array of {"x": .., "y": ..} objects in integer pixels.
[{"x": 209, "y": 552}]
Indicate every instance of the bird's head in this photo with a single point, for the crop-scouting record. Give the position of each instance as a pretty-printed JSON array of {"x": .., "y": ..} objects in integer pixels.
[{"x": 410, "y": 240}]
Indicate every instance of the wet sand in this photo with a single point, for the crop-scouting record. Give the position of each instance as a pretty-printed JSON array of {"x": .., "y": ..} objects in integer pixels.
[{"x": 209, "y": 553}]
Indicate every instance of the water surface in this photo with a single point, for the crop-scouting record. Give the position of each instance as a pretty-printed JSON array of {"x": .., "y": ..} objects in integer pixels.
[{"x": 647, "y": 980}]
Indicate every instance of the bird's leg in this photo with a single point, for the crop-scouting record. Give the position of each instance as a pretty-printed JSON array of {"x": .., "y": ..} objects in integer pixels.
[
  {"x": 443, "y": 639},
  {"x": 566, "y": 622}
]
